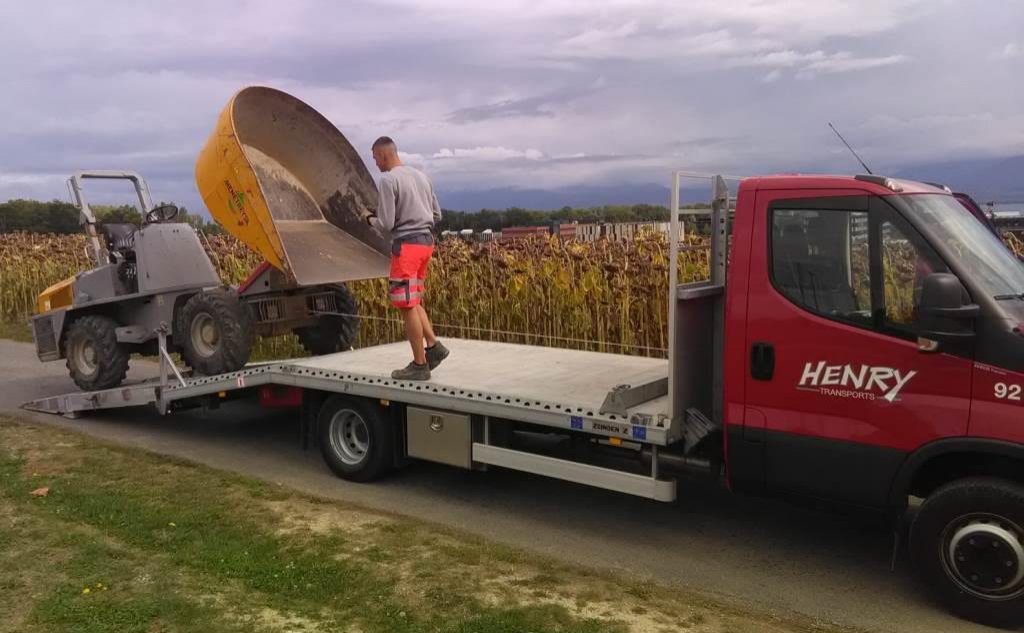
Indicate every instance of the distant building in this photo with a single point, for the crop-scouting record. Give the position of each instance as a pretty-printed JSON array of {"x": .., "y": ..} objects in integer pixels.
[
  {"x": 621, "y": 231},
  {"x": 617, "y": 231},
  {"x": 509, "y": 233},
  {"x": 469, "y": 235}
]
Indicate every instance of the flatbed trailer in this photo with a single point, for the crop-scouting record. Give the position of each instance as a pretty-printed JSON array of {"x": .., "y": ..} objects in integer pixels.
[
  {"x": 485, "y": 385},
  {"x": 469, "y": 413}
]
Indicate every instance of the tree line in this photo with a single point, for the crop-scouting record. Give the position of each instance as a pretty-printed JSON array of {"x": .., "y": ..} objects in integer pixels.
[
  {"x": 516, "y": 216},
  {"x": 57, "y": 216}
]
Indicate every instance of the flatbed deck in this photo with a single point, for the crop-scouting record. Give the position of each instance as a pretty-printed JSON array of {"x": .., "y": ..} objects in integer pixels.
[
  {"x": 544, "y": 374},
  {"x": 559, "y": 388}
]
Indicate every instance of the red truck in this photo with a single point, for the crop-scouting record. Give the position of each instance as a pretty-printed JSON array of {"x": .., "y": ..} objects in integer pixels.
[
  {"x": 873, "y": 352},
  {"x": 859, "y": 342}
]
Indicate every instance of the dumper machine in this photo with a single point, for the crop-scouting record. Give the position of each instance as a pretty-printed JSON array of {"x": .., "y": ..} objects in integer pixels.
[{"x": 276, "y": 175}]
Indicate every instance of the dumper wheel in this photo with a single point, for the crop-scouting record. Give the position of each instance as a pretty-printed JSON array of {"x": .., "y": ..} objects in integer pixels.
[
  {"x": 356, "y": 438},
  {"x": 95, "y": 360},
  {"x": 216, "y": 331},
  {"x": 332, "y": 332}
]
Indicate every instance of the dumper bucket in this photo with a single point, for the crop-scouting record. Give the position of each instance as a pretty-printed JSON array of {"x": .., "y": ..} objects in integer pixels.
[{"x": 282, "y": 179}]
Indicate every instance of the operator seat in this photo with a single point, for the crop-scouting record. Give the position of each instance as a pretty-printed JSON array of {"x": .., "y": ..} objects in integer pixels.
[
  {"x": 120, "y": 237},
  {"x": 120, "y": 240}
]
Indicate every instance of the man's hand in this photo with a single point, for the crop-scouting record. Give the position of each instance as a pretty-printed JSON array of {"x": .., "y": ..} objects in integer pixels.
[{"x": 367, "y": 216}]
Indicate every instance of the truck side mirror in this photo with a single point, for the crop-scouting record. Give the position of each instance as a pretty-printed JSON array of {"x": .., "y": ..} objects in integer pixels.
[{"x": 946, "y": 312}]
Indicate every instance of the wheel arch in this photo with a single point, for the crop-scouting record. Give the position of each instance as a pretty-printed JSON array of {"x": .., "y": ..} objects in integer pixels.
[
  {"x": 73, "y": 314},
  {"x": 180, "y": 300},
  {"x": 942, "y": 461},
  {"x": 233, "y": 320},
  {"x": 382, "y": 417},
  {"x": 330, "y": 333},
  {"x": 107, "y": 366}
]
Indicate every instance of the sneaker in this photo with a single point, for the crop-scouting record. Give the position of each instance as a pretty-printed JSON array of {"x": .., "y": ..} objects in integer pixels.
[
  {"x": 412, "y": 371},
  {"x": 436, "y": 354}
]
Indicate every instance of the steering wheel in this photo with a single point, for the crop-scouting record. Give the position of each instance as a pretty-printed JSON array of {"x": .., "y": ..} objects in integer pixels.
[{"x": 162, "y": 213}]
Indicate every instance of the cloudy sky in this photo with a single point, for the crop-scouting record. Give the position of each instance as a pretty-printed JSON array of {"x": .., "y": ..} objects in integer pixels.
[{"x": 514, "y": 93}]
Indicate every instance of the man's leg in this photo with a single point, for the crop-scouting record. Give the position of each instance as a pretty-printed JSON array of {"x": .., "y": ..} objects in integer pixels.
[
  {"x": 421, "y": 275},
  {"x": 405, "y": 298},
  {"x": 428, "y": 329},
  {"x": 414, "y": 333},
  {"x": 436, "y": 352}
]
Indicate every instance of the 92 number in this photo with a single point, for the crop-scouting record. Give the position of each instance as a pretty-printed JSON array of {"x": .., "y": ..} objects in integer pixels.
[{"x": 1004, "y": 391}]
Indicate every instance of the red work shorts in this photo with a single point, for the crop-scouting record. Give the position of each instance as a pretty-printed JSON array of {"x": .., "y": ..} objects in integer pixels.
[{"x": 408, "y": 273}]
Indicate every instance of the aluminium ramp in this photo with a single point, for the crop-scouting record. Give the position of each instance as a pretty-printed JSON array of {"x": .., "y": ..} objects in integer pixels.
[{"x": 76, "y": 403}]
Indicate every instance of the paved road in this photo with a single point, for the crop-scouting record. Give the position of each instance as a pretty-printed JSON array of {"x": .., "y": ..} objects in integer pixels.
[{"x": 831, "y": 567}]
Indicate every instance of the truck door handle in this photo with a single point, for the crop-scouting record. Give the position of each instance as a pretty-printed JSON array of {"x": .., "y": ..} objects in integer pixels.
[{"x": 762, "y": 361}]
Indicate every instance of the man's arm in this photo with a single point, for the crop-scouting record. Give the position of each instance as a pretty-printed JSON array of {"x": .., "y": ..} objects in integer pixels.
[
  {"x": 435, "y": 206},
  {"x": 385, "y": 217}
]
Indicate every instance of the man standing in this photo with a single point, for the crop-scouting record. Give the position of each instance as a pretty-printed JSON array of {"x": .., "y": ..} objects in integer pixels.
[{"x": 407, "y": 211}]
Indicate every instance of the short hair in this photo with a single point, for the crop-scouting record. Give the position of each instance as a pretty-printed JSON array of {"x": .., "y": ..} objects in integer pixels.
[{"x": 384, "y": 141}]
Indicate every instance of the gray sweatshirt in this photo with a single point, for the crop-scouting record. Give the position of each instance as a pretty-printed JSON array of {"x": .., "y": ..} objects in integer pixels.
[{"x": 408, "y": 206}]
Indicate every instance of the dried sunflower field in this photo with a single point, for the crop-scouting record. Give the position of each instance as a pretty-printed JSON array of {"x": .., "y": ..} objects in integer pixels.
[{"x": 604, "y": 295}]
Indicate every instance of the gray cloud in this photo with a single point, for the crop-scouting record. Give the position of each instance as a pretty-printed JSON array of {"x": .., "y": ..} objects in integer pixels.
[
  {"x": 518, "y": 93},
  {"x": 530, "y": 107},
  {"x": 599, "y": 158}
]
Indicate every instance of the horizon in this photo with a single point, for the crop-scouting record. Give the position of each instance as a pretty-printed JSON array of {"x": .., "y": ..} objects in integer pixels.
[{"x": 584, "y": 196}]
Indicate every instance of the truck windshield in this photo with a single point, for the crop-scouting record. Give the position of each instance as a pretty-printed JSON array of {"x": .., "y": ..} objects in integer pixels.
[{"x": 990, "y": 262}]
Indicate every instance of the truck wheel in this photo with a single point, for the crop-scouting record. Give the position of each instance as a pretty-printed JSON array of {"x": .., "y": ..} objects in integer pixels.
[
  {"x": 967, "y": 543},
  {"x": 356, "y": 440},
  {"x": 95, "y": 360},
  {"x": 216, "y": 331},
  {"x": 332, "y": 333}
]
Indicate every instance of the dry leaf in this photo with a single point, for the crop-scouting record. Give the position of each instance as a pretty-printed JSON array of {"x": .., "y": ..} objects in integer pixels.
[{"x": 40, "y": 492}]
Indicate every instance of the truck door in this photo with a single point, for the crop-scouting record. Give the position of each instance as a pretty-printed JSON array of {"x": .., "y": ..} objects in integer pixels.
[{"x": 836, "y": 384}]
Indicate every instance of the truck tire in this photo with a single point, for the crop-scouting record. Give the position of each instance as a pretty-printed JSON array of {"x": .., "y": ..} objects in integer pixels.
[
  {"x": 95, "y": 359},
  {"x": 356, "y": 439},
  {"x": 967, "y": 543},
  {"x": 333, "y": 333},
  {"x": 216, "y": 332}
]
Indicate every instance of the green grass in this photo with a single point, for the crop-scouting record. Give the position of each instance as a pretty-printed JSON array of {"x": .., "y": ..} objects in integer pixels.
[
  {"x": 128, "y": 541},
  {"x": 16, "y": 331}
]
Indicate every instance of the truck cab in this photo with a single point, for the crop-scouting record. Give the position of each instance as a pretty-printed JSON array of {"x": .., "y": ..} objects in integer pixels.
[{"x": 873, "y": 351}]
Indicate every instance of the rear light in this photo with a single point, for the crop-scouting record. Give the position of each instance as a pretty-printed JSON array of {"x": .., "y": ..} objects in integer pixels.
[{"x": 274, "y": 396}]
